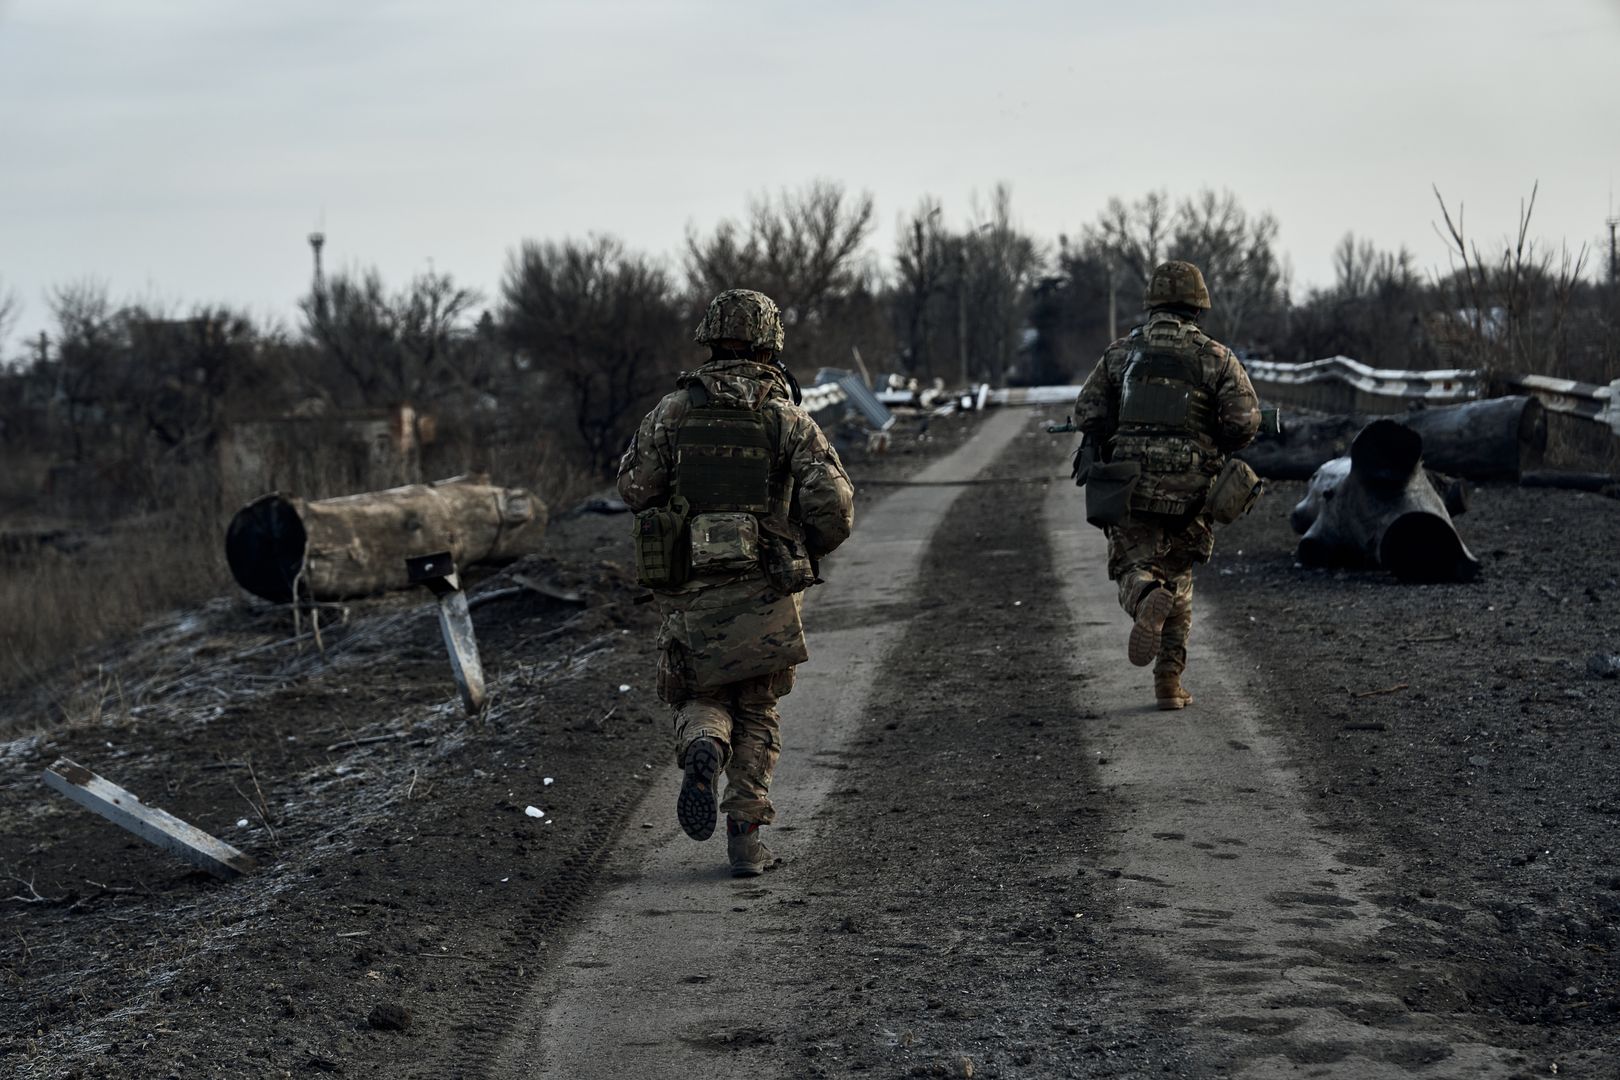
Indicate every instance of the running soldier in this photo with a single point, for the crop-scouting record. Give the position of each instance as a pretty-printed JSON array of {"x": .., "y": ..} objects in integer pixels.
[
  {"x": 1176, "y": 402},
  {"x": 738, "y": 496}
]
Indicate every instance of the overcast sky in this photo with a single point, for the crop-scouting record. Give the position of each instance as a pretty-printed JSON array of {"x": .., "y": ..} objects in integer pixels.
[{"x": 181, "y": 150}]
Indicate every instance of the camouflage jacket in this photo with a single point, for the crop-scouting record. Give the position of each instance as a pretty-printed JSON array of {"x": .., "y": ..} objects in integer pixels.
[
  {"x": 720, "y": 629},
  {"x": 1176, "y": 471}
]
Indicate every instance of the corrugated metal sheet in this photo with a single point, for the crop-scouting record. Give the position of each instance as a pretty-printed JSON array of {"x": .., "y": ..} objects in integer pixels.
[{"x": 866, "y": 403}]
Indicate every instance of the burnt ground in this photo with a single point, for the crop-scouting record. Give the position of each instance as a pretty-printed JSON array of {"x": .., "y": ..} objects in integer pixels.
[
  {"x": 1458, "y": 728},
  {"x": 390, "y": 870},
  {"x": 401, "y": 881},
  {"x": 398, "y": 866}
]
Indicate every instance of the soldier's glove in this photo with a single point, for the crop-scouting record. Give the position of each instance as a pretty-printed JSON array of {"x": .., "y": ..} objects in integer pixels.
[{"x": 1085, "y": 456}]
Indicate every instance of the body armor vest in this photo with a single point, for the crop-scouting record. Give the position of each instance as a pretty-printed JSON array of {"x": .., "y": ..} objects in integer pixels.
[
  {"x": 1163, "y": 393},
  {"x": 723, "y": 458}
]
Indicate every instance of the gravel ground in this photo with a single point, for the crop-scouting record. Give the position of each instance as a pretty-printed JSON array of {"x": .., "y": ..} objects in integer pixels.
[{"x": 1455, "y": 731}]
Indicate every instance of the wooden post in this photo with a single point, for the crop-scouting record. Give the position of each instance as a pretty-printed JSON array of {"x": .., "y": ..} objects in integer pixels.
[{"x": 155, "y": 826}]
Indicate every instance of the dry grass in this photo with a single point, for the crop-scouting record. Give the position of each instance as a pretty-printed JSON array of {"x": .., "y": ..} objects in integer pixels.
[{"x": 60, "y": 604}]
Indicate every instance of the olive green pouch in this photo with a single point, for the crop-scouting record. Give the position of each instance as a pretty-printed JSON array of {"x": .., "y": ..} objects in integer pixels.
[
  {"x": 788, "y": 568},
  {"x": 724, "y": 543},
  {"x": 1108, "y": 492},
  {"x": 1234, "y": 492},
  {"x": 662, "y": 547}
]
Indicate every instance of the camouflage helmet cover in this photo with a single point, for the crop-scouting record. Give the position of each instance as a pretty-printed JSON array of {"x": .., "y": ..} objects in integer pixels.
[
  {"x": 743, "y": 315},
  {"x": 1177, "y": 282}
]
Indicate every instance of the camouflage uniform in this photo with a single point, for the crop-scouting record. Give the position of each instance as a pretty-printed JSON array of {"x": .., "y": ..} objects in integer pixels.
[
  {"x": 1167, "y": 532},
  {"x": 729, "y": 642}
]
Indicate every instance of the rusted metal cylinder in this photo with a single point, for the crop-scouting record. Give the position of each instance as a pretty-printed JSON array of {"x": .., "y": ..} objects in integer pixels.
[{"x": 356, "y": 545}]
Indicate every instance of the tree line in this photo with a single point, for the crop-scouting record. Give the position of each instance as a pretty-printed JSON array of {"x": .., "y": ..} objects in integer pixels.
[{"x": 584, "y": 333}]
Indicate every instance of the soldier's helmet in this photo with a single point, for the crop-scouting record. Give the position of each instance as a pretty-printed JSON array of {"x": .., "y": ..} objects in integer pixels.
[
  {"x": 742, "y": 315},
  {"x": 1177, "y": 282}
]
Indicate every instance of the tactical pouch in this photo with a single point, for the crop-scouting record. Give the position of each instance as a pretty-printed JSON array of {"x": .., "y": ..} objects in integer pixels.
[
  {"x": 788, "y": 568},
  {"x": 662, "y": 548},
  {"x": 1108, "y": 492},
  {"x": 724, "y": 543},
  {"x": 1234, "y": 492}
]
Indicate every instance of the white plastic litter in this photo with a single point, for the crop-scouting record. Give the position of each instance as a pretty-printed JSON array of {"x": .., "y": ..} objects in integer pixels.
[
  {"x": 534, "y": 811},
  {"x": 548, "y": 781},
  {"x": 241, "y": 823},
  {"x": 624, "y": 688}
]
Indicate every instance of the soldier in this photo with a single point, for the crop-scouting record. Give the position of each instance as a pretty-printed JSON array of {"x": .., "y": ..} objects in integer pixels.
[
  {"x": 738, "y": 495},
  {"x": 1176, "y": 402}
]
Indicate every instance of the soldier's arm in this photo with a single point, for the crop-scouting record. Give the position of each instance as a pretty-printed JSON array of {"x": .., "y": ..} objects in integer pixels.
[
  {"x": 1095, "y": 406},
  {"x": 648, "y": 464},
  {"x": 1238, "y": 413},
  {"x": 826, "y": 497}
]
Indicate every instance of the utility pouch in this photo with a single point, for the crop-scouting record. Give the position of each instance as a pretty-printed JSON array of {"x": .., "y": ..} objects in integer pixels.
[
  {"x": 661, "y": 545},
  {"x": 787, "y": 564},
  {"x": 1234, "y": 492},
  {"x": 724, "y": 543},
  {"x": 1108, "y": 492}
]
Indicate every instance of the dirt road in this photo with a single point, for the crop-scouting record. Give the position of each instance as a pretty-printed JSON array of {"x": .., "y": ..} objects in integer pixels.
[
  {"x": 1003, "y": 861},
  {"x": 653, "y": 975}
]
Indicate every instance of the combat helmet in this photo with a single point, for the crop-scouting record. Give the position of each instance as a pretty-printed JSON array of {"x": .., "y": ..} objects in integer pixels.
[
  {"x": 1177, "y": 282},
  {"x": 743, "y": 315}
]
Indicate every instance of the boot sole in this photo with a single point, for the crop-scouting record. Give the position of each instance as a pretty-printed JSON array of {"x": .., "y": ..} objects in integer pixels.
[
  {"x": 749, "y": 870},
  {"x": 1148, "y": 632},
  {"x": 696, "y": 808},
  {"x": 1168, "y": 703}
]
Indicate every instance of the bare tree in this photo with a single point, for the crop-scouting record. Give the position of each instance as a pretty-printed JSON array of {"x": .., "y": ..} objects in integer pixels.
[
  {"x": 1236, "y": 252},
  {"x": 1000, "y": 266},
  {"x": 600, "y": 321},
  {"x": 802, "y": 248},
  {"x": 1515, "y": 306},
  {"x": 9, "y": 308},
  {"x": 1134, "y": 235},
  {"x": 394, "y": 348},
  {"x": 922, "y": 265}
]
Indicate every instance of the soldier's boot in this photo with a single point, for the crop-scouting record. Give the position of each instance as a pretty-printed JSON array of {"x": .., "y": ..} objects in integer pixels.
[
  {"x": 1147, "y": 632},
  {"x": 748, "y": 854},
  {"x": 696, "y": 807},
  {"x": 1168, "y": 689}
]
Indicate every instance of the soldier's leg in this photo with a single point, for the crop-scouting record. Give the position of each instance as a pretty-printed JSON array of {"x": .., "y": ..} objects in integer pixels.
[
  {"x": 1135, "y": 549},
  {"x": 1138, "y": 549},
  {"x": 756, "y": 745},
  {"x": 703, "y": 734},
  {"x": 704, "y": 714},
  {"x": 1172, "y": 658},
  {"x": 1191, "y": 546}
]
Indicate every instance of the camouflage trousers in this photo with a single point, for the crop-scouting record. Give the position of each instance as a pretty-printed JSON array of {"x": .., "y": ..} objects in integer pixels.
[
  {"x": 742, "y": 718},
  {"x": 1149, "y": 551}
]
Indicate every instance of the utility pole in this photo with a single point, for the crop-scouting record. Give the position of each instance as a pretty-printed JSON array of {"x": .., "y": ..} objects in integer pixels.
[
  {"x": 317, "y": 240},
  {"x": 1113, "y": 303},
  {"x": 1614, "y": 267},
  {"x": 961, "y": 309}
]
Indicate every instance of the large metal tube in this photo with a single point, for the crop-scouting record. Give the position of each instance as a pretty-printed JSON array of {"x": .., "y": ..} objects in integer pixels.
[
  {"x": 1496, "y": 439},
  {"x": 356, "y": 545},
  {"x": 1379, "y": 507}
]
